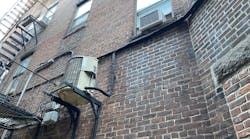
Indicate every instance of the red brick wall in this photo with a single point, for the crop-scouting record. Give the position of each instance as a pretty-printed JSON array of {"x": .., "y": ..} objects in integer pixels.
[
  {"x": 215, "y": 29},
  {"x": 164, "y": 86},
  {"x": 237, "y": 90}
]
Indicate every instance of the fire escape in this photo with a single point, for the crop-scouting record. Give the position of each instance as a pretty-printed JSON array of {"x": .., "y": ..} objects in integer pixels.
[
  {"x": 13, "y": 31},
  {"x": 15, "y": 35}
]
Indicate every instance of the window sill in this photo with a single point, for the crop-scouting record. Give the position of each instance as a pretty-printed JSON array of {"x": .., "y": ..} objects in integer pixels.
[{"x": 74, "y": 31}]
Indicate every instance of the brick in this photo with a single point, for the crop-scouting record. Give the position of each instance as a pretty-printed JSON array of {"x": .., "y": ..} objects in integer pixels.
[
  {"x": 232, "y": 89},
  {"x": 244, "y": 90},
  {"x": 226, "y": 85},
  {"x": 231, "y": 97},
  {"x": 245, "y": 81},
  {"x": 237, "y": 102},
  {"x": 239, "y": 127},
  {"x": 247, "y": 123},
  {"x": 244, "y": 133},
  {"x": 235, "y": 112},
  {"x": 163, "y": 83},
  {"x": 174, "y": 129},
  {"x": 245, "y": 107},
  {"x": 144, "y": 134}
]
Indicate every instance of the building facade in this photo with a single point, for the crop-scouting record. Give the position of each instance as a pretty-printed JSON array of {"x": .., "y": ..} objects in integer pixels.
[{"x": 184, "y": 74}]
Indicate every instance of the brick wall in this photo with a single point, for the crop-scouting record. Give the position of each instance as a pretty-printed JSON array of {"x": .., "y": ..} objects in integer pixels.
[
  {"x": 164, "y": 86},
  {"x": 215, "y": 29},
  {"x": 158, "y": 92},
  {"x": 237, "y": 90}
]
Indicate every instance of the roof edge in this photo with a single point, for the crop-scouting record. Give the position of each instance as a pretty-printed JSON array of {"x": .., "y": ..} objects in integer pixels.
[{"x": 188, "y": 15}]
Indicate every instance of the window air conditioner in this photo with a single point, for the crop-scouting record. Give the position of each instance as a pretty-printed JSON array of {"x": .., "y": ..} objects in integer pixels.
[
  {"x": 81, "y": 72},
  {"x": 150, "y": 19}
]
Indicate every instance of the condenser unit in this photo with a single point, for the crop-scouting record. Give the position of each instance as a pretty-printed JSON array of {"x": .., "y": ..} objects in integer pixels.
[
  {"x": 81, "y": 72},
  {"x": 150, "y": 19}
]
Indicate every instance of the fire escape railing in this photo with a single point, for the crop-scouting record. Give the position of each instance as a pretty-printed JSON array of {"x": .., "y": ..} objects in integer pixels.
[{"x": 12, "y": 37}]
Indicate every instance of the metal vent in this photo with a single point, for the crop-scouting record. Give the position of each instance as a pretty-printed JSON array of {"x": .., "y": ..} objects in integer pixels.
[
  {"x": 73, "y": 70},
  {"x": 150, "y": 19}
]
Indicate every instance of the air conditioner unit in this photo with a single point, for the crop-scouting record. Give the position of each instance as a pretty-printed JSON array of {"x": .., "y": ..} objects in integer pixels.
[
  {"x": 150, "y": 19},
  {"x": 81, "y": 72}
]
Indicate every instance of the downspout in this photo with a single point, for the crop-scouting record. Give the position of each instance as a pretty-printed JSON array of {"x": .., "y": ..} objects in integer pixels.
[
  {"x": 24, "y": 89},
  {"x": 111, "y": 80},
  {"x": 112, "y": 74}
]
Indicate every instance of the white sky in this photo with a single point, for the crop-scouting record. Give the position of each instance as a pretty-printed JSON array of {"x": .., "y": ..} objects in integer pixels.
[
  {"x": 144, "y": 3},
  {"x": 5, "y": 6}
]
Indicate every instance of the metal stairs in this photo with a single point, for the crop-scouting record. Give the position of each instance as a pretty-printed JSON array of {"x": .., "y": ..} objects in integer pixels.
[{"x": 13, "y": 40}]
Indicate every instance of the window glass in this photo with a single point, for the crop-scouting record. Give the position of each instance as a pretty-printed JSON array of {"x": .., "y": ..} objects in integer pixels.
[
  {"x": 51, "y": 12},
  {"x": 82, "y": 9},
  {"x": 81, "y": 15},
  {"x": 25, "y": 62},
  {"x": 141, "y": 4},
  {"x": 13, "y": 85}
]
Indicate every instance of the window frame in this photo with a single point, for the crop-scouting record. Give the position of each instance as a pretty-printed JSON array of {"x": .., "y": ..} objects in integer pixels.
[
  {"x": 54, "y": 5},
  {"x": 72, "y": 28},
  {"x": 17, "y": 75},
  {"x": 137, "y": 32},
  {"x": 20, "y": 70}
]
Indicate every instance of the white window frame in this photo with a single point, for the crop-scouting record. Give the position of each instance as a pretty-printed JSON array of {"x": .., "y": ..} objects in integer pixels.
[
  {"x": 51, "y": 11},
  {"x": 17, "y": 75},
  {"x": 24, "y": 62},
  {"x": 165, "y": 6},
  {"x": 81, "y": 13}
]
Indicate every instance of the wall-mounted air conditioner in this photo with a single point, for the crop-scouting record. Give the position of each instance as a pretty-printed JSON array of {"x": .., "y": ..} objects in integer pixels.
[
  {"x": 150, "y": 19},
  {"x": 81, "y": 71}
]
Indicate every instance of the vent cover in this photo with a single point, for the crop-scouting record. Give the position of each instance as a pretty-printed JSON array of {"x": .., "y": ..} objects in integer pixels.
[{"x": 150, "y": 19}]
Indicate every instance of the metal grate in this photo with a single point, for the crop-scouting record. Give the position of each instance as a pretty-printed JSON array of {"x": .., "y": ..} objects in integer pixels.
[
  {"x": 12, "y": 117},
  {"x": 149, "y": 18},
  {"x": 73, "y": 70}
]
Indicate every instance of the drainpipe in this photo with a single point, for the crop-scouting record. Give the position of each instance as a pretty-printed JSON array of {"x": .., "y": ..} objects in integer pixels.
[
  {"x": 24, "y": 89},
  {"x": 112, "y": 74},
  {"x": 111, "y": 80}
]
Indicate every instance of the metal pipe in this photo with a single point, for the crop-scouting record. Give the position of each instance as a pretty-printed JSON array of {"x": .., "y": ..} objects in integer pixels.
[
  {"x": 24, "y": 89},
  {"x": 34, "y": 24},
  {"x": 112, "y": 74}
]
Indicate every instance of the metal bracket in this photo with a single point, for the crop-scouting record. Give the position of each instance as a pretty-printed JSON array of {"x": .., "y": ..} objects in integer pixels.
[{"x": 74, "y": 112}]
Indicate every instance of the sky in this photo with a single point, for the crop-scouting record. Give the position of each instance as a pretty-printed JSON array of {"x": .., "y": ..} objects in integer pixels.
[
  {"x": 144, "y": 3},
  {"x": 5, "y": 5}
]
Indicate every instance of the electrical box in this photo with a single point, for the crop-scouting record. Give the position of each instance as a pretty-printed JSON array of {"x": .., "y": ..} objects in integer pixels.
[
  {"x": 50, "y": 117},
  {"x": 81, "y": 71}
]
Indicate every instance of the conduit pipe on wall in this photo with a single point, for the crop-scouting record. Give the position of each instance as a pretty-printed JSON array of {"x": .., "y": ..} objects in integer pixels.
[{"x": 111, "y": 80}]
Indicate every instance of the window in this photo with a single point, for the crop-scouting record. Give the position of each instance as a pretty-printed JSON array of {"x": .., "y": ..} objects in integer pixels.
[
  {"x": 25, "y": 62},
  {"x": 13, "y": 85},
  {"x": 17, "y": 76},
  {"x": 50, "y": 12},
  {"x": 152, "y": 13},
  {"x": 141, "y": 4},
  {"x": 81, "y": 14}
]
